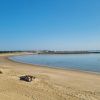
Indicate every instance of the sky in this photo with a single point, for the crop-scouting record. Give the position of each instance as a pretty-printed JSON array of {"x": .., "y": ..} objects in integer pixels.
[{"x": 50, "y": 24}]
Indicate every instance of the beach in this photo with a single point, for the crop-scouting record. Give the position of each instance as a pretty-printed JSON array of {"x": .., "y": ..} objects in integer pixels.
[{"x": 49, "y": 83}]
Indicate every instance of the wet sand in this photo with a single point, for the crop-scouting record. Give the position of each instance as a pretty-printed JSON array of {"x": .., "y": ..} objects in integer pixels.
[{"x": 49, "y": 84}]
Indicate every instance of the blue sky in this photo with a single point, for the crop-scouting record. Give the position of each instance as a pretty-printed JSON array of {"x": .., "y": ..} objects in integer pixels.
[{"x": 49, "y": 24}]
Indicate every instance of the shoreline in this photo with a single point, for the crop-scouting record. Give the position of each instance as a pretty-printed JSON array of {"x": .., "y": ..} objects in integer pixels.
[
  {"x": 50, "y": 83},
  {"x": 51, "y": 67}
]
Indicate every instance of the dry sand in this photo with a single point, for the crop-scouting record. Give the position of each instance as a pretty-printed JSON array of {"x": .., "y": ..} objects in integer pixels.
[{"x": 49, "y": 84}]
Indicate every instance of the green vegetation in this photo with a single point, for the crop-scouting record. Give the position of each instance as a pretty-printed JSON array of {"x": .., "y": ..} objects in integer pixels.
[
  {"x": 9, "y": 51},
  {"x": 52, "y": 52}
]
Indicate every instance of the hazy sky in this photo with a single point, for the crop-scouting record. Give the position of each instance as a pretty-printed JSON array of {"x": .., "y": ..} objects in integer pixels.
[{"x": 49, "y": 24}]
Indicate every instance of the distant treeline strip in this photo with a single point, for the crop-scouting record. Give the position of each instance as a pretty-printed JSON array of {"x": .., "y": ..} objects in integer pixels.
[
  {"x": 67, "y": 52},
  {"x": 53, "y": 52},
  {"x": 10, "y": 51}
]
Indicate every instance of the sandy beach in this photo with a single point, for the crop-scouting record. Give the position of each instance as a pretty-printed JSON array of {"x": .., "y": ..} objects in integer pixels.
[{"x": 49, "y": 83}]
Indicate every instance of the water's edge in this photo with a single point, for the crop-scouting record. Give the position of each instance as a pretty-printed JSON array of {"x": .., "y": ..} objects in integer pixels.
[{"x": 53, "y": 67}]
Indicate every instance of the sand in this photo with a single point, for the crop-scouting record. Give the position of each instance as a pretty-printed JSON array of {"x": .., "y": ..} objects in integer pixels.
[{"x": 49, "y": 84}]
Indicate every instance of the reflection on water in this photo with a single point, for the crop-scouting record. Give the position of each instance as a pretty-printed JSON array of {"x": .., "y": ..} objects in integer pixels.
[{"x": 87, "y": 62}]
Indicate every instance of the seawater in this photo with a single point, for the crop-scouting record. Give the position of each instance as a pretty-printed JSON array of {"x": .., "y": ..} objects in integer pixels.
[{"x": 85, "y": 62}]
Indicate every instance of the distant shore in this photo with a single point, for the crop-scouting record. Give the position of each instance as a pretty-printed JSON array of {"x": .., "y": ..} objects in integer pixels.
[
  {"x": 53, "y": 52},
  {"x": 50, "y": 83}
]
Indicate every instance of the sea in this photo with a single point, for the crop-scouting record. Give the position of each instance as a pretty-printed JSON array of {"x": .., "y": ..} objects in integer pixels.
[{"x": 84, "y": 62}]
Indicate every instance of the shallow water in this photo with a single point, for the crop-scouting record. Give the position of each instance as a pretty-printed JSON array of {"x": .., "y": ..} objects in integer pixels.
[{"x": 86, "y": 62}]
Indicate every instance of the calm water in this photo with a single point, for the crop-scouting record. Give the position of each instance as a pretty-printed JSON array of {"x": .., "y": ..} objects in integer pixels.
[{"x": 86, "y": 62}]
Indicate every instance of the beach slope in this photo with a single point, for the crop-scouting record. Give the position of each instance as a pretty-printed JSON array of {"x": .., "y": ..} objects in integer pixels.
[{"x": 49, "y": 83}]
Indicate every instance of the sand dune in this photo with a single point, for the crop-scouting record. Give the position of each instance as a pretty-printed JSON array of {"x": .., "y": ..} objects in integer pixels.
[{"x": 49, "y": 84}]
